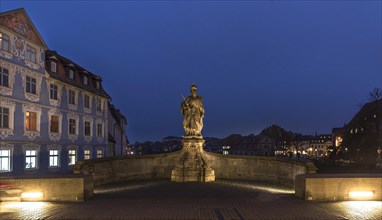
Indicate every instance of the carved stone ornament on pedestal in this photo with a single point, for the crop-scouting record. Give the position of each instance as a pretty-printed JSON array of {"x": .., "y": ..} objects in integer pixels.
[{"x": 192, "y": 164}]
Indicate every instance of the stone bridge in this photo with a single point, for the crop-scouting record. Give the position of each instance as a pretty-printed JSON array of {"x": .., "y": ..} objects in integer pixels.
[{"x": 159, "y": 166}]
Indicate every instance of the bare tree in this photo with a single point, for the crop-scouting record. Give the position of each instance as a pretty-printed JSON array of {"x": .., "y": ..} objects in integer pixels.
[{"x": 375, "y": 94}]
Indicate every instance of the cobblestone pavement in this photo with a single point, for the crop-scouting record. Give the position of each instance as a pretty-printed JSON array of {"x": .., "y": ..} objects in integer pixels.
[{"x": 169, "y": 200}]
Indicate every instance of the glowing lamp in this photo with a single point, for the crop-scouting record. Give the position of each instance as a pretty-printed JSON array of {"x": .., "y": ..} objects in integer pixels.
[
  {"x": 31, "y": 195},
  {"x": 361, "y": 195}
]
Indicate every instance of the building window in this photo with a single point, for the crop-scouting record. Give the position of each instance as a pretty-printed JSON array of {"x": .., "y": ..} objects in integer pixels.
[
  {"x": 5, "y": 160},
  {"x": 72, "y": 126},
  {"x": 98, "y": 86},
  {"x": 4, "y": 117},
  {"x": 31, "y": 54},
  {"x": 71, "y": 157},
  {"x": 4, "y": 77},
  {"x": 72, "y": 97},
  {"x": 98, "y": 104},
  {"x": 87, "y": 128},
  {"x": 86, "y": 101},
  {"x": 30, "y": 159},
  {"x": 70, "y": 74},
  {"x": 85, "y": 81},
  {"x": 99, "y": 130},
  {"x": 53, "y": 92},
  {"x": 31, "y": 121},
  {"x": 54, "y": 120},
  {"x": 99, "y": 153},
  {"x": 31, "y": 85},
  {"x": 53, "y": 158},
  {"x": 53, "y": 66},
  {"x": 4, "y": 42},
  {"x": 87, "y": 154}
]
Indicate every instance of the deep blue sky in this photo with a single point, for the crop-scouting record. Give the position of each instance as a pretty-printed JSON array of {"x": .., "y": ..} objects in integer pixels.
[{"x": 304, "y": 65}]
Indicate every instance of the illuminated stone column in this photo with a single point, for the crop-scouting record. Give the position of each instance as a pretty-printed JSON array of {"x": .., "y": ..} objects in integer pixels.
[{"x": 192, "y": 165}]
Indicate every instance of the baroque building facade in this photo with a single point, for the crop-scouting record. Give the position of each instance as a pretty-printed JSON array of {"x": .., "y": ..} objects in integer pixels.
[{"x": 53, "y": 112}]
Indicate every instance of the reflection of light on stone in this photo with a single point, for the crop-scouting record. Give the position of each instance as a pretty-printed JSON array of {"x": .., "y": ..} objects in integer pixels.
[
  {"x": 24, "y": 207},
  {"x": 274, "y": 190},
  {"x": 362, "y": 209},
  {"x": 271, "y": 189},
  {"x": 122, "y": 188},
  {"x": 31, "y": 195},
  {"x": 361, "y": 195}
]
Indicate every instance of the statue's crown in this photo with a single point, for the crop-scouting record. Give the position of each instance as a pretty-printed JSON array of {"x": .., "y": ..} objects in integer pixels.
[{"x": 193, "y": 87}]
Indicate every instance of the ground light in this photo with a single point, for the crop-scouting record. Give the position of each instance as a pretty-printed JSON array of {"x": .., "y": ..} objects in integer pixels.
[
  {"x": 361, "y": 195},
  {"x": 31, "y": 196},
  {"x": 361, "y": 209}
]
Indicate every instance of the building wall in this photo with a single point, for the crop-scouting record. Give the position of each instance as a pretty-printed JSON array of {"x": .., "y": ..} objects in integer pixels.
[
  {"x": 117, "y": 130},
  {"x": 17, "y": 139}
]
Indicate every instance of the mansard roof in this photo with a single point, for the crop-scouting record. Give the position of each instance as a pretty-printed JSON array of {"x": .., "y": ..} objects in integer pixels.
[
  {"x": 366, "y": 113},
  {"x": 117, "y": 115},
  {"x": 19, "y": 22},
  {"x": 78, "y": 71}
]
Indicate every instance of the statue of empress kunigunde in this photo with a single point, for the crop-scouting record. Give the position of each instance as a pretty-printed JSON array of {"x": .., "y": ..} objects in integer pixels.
[
  {"x": 192, "y": 163},
  {"x": 193, "y": 114}
]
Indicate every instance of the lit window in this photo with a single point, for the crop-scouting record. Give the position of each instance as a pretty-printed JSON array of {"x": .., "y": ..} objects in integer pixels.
[
  {"x": 70, "y": 74},
  {"x": 53, "y": 92},
  {"x": 86, "y": 101},
  {"x": 31, "y": 121},
  {"x": 5, "y": 160},
  {"x": 4, "y": 42},
  {"x": 72, "y": 97},
  {"x": 87, "y": 154},
  {"x": 99, "y": 153},
  {"x": 54, "y": 124},
  {"x": 356, "y": 130},
  {"x": 87, "y": 128},
  {"x": 30, "y": 85},
  {"x": 53, "y": 66},
  {"x": 72, "y": 126},
  {"x": 71, "y": 157},
  {"x": 375, "y": 116},
  {"x": 30, "y": 159},
  {"x": 99, "y": 130},
  {"x": 85, "y": 80},
  {"x": 98, "y": 104},
  {"x": 53, "y": 158},
  {"x": 4, "y": 117},
  {"x": 4, "y": 77},
  {"x": 31, "y": 54}
]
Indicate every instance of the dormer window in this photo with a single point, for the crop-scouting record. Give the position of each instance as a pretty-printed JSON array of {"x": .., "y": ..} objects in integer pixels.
[
  {"x": 53, "y": 66},
  {"x": 4, "y": 42},
  {"x": 97, "y": 84},
  {"x": 85, "y": 80},
  {"x": 70, "y": 74}
]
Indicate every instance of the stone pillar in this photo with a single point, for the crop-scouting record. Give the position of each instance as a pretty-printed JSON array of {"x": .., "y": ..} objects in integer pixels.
[{"x": 192, "y": 165}]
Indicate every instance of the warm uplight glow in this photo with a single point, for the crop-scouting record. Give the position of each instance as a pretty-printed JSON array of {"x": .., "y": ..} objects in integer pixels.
[
  {"x": 361, "y": 195},
  {"x": 361, "y": 209},
  {"x": 31, "y": 195}
]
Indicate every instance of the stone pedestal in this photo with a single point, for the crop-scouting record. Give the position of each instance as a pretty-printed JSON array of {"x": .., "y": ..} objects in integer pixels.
[{"x": 192, "y": 165}]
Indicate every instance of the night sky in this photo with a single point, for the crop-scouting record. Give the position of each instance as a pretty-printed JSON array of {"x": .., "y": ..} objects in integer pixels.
[{"x": 303, "y": 65}]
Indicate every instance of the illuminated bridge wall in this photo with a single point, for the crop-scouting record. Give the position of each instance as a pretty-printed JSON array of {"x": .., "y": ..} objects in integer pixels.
[{"x": 106, "y": 170}]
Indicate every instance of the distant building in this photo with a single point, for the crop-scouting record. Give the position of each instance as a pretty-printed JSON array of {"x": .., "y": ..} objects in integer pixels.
[
  {"x": 259, "y": 145},
  {"x": 319, "y": 145},
  {"x": 117, "y": 123},
  {"x": 215, "y": 145},
  {"x": 359, "y": 139},
  {"x": 53, "y": 112}
]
